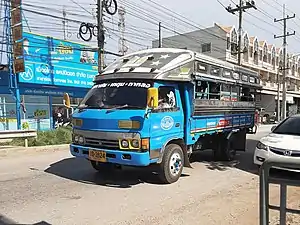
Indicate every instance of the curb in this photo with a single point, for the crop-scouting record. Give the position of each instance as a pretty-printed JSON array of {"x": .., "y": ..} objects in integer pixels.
[{"x": 9, "y": 150}]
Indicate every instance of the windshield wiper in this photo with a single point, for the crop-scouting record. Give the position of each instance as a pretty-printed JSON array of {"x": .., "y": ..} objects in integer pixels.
[
  {"x": 83, "y": 106},
  {"x": 117, "y": 107}
]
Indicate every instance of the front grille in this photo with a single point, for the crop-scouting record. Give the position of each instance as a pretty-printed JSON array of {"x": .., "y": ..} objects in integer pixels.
[
  {"x": 280, "y": 151},
  {"x": 102, "y": 143}
]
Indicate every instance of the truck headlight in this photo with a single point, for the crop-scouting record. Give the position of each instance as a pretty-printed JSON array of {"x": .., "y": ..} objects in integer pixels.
[
  {"x": 76, "y": 138},
  {"x": 81, "y": 140},
  {"x": 135, "y": 143},
  {"x": 124, "y": 144}
]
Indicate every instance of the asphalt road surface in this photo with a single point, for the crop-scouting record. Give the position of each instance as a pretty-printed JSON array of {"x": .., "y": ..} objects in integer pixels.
[{"x": 55, "y": 188}]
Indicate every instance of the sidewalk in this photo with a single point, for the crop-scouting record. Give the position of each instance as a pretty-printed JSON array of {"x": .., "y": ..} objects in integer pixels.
[{"x": 10, "y": 150}]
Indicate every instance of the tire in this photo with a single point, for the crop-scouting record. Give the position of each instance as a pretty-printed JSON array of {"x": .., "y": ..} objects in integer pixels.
[
  {"x": 111, "y": 7},
  {"x": 102, "y": 167},
  {"x": 224, "y": 151},
  {"x": 171, "y": 166}
]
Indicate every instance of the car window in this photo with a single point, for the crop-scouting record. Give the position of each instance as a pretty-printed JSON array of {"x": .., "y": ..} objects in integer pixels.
[{"x": 290, "y": 126}]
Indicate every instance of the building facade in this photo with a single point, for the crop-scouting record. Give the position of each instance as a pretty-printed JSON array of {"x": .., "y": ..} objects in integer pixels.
[{"x": 221, "y": 42}]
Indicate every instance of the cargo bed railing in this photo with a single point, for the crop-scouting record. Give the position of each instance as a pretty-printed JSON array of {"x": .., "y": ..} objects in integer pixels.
[{"x": 264, "y": 183}]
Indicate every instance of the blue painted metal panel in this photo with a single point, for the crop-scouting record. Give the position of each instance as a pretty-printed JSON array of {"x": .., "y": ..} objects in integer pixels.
[
  {"x": 166, "y": 126},
  {"x": 218, "y": 123},
  {"x": 137, "y": 158},
  {"x": 104, "y": 120},
  {"x": 50, "y": 61},
  {"x": 4, "y": 78}
]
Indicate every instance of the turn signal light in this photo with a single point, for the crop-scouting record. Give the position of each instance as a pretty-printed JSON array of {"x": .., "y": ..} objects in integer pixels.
[{"x": 145, "y": 144}]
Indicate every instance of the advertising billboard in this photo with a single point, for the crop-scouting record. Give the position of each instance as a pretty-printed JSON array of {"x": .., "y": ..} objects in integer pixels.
[{"x": 50, "y": 61}]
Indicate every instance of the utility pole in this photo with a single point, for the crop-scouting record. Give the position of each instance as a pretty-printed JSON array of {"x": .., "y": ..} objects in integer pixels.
[
  {"x": 64, "y": 22},
  {"x": 159, "y": 35},
  {"x": 284, "y": 36},
  {"x": 100, "y": 36},
  {"x": 241, "y": 8},
  {"x": 278, "y": 96},
  {"x": 121, "y": 25}
]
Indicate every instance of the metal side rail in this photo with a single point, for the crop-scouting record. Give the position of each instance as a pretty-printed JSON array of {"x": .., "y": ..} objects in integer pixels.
[
  {"x": 264, "y": 183},
  {"x": 8, "y": 134}
]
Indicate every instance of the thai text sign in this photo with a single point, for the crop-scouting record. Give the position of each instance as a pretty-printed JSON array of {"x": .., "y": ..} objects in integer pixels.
[{"x": 50, "y": 61}]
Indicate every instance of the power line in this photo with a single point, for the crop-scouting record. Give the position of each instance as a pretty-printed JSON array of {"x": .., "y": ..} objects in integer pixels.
[
  {"x": 75, "y": 2},
  {"x": 240, "y": 9},
  {"x": 146, "y": 17}
]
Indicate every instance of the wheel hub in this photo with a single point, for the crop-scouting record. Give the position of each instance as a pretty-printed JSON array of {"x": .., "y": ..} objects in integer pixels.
[{"x": 175, "y": 164}]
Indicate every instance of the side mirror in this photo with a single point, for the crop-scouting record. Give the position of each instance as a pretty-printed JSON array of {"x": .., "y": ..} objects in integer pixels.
[
  {"x": 152, "y": 98},
  {"x": 67, "y": 102},
  {"x": 273, "y": 128}
]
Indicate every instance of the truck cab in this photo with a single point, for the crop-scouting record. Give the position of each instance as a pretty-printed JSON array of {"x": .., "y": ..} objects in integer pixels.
[{"x": 142, "y": 111}]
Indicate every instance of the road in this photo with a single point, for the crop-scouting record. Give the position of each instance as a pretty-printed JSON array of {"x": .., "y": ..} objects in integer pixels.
[{"x": 55, "y": 188}]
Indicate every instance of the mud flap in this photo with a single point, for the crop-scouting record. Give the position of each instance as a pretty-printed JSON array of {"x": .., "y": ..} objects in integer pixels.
[{"x": 186, "y": 159}]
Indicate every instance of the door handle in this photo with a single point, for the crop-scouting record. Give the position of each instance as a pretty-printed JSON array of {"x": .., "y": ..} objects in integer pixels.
[{"x": 177, "y": 125}]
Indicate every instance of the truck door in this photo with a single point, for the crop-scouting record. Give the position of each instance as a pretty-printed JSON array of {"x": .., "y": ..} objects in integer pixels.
[{"x": 167, "y": 121}]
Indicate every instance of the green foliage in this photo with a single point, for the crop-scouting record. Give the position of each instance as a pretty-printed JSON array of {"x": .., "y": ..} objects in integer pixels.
[
  {"x": 51, "y": 137},
  {"x": 25, "y": 126}
]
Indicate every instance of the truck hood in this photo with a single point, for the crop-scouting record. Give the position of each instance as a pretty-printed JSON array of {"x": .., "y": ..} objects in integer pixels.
[{"x": 104, "y": 120}]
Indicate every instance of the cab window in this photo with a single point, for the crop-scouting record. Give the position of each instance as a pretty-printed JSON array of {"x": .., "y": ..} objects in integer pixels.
[{"x": 166, "y": 98}]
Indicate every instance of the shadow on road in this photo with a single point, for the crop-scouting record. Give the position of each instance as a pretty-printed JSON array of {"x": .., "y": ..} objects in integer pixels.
[
  {"x": 80, "y": 170},
  {"x": 6, "y": 221},
  {"x": 244, "y": 160}
]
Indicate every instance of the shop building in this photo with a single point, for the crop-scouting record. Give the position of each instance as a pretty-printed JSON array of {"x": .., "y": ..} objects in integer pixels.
[{"x": 52, "y": 68}]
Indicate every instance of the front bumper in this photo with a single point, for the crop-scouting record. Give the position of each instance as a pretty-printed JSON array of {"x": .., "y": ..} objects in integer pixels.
[
  {"x": 114, "y": 156},
  {"x": 262, "y": 155}
]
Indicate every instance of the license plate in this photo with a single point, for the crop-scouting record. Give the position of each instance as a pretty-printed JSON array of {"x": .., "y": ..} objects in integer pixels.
[{"x": 99, "y": 156}]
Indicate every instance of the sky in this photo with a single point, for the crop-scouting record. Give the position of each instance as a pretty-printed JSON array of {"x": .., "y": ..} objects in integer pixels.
[{"x": 142, "y": 18}]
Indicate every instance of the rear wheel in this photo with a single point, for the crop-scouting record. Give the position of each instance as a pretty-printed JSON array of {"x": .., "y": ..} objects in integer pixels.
[
  {"x": 224, "y": 150},
  {"x": 171, "y": 166}
]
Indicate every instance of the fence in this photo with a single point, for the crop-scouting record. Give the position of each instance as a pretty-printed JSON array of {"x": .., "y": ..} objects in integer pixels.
[{"x": 264, "y": 184}]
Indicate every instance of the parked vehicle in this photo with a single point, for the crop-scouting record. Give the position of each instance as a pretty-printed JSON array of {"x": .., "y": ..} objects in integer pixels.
[
  {"x": 282, "y": 142},
  {"x": 158, "y": 106}
]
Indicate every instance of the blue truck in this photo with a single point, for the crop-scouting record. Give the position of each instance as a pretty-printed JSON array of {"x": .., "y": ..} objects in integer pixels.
[{"x": 158, "y": 106}]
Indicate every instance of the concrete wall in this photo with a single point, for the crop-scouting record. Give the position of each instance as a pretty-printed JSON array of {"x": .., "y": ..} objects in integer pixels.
[{"x": 194, "y": 40}]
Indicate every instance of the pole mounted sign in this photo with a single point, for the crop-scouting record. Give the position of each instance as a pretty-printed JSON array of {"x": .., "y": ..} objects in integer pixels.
[{"x": 17, "y": 36}]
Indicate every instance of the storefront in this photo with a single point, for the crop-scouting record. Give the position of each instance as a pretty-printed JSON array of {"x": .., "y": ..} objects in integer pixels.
[
  {"x": 37, "y": 110},
  {"x": 50, "y": 71}
]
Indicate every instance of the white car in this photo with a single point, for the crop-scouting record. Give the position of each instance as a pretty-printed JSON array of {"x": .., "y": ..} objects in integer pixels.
[{"x": 283, "y": 141}]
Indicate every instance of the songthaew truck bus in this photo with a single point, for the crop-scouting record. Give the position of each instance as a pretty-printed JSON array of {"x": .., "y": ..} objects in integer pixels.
[{"x": 158, "y": 106}]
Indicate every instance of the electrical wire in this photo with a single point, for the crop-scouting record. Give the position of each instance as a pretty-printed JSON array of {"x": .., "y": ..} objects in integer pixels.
[{"x": 146, "y": 17}]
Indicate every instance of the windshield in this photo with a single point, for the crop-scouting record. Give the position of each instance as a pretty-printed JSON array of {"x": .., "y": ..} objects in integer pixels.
[
  {"x": 120, "y": 94},
  {"x": 290, "y": 126}
]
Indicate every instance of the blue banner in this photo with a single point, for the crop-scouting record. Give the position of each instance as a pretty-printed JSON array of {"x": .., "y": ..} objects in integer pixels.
[{"x": 50, "y": 61}]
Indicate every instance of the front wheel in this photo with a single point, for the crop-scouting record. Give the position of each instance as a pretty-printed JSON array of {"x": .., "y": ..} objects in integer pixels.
[{"x": 171, "y": 166}]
